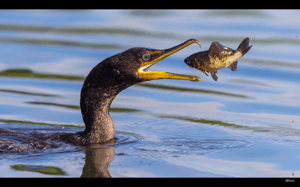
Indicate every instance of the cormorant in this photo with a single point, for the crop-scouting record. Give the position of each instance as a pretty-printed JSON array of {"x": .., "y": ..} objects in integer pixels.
[{"x": 110, "y": 77}]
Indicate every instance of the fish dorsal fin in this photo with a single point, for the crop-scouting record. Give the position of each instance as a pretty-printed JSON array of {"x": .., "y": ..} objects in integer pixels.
[{"x": 216, "y": 47}]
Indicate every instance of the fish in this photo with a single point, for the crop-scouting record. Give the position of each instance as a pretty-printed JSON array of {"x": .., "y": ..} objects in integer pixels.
[{"x": 217, "y": 57}]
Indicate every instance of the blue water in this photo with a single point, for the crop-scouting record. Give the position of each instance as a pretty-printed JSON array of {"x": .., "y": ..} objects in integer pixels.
[{"x": 249, "y": 128}]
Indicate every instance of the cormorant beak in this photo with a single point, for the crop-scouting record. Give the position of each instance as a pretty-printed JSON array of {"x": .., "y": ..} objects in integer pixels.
[{"x": 158, "y": 55}]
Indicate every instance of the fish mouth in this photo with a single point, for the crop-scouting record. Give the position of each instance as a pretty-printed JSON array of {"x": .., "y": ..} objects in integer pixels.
[{"x": 158, "y": 55}]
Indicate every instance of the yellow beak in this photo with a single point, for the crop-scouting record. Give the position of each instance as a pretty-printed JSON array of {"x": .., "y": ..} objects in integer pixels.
[{"x": 159, "y": 55}]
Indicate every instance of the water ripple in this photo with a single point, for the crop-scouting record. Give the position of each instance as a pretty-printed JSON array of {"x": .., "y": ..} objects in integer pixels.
[{"x": 177, "y": 146}]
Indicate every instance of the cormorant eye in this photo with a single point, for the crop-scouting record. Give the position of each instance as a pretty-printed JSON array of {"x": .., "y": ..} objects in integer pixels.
[{"x": 146, "y": 56}]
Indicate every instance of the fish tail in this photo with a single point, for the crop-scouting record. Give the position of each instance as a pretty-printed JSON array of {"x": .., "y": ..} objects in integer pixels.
[{"x": 244, "y": 46}]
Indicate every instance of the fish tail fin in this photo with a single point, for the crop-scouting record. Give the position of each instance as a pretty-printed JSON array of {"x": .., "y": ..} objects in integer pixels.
[{"x": 244, "y": 46}]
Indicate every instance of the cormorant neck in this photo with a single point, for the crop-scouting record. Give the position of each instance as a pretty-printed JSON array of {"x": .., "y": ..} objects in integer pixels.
[
  {"x": 99, "y": 126},
  {"x": 100, "y": 88}
]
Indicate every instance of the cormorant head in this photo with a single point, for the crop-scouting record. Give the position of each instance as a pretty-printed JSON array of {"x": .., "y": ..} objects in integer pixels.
[
  {"x": 134, "y": 63},
  {"x": 127, "y": 68},
  {"x": 149, "y": 57}
]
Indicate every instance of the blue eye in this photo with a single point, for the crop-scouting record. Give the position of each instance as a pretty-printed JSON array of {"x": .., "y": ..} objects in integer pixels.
[{"x": 146, "y": 56}]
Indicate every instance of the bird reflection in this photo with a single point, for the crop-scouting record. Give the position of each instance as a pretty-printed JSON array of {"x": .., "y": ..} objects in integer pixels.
[{"x": 98, "y": 157}]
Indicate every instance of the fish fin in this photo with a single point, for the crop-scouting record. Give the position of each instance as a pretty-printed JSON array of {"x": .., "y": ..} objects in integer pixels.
[
  {"x": 204, "y": 72},
  {"x": 244, "y": 46},
  {"x": 213, "y": 75},
  {"x": 233, "y": 66},
  {"x": 216, "y": 47}
]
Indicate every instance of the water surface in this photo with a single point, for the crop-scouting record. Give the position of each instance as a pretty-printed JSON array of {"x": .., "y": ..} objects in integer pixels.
[{"x": 244, "y": 125}]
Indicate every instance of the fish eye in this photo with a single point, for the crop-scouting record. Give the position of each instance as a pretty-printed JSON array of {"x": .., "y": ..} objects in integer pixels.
[{"x": 146, "y": 56}]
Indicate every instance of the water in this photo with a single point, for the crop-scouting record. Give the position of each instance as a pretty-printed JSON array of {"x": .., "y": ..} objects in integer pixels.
[{"x": 246, "y": 124}]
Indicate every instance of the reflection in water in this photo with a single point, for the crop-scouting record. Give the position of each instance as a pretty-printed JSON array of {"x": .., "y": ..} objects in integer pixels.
[
  {"x": 60, "y": 43},
  {"x": 31, "y": 74},
  {"x": 97, "y": 157},
  {"x": 31, "y": 140},
  {"x": 48, "y": 170},
  {"x": 97, "y": 160},
  {"x": 234, "y": 13},
  {"x": 26, "y": 93}
]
